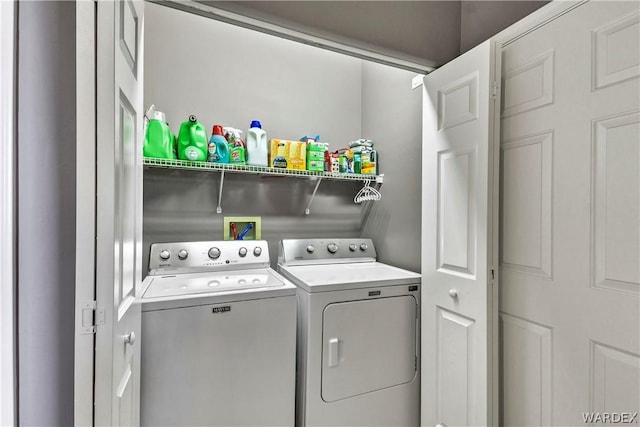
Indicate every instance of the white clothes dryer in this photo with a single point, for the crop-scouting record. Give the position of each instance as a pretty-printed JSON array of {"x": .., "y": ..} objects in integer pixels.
[
  {"x": 218, "y": 337},
  {"x": 358, "y": 335}
]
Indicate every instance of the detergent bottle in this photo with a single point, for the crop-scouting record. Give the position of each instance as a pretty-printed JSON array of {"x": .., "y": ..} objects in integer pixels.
[
  {"x": 159, "y": 142},
  {"x": 257, "y": 145},
  {"x": 218, "y": 146},
  {"x": 192, "y": 141}
]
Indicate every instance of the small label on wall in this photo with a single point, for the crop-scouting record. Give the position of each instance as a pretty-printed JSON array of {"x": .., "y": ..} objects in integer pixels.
[
  {"x": 222, "y": 309},
  {"x": 374, "y": 293}
]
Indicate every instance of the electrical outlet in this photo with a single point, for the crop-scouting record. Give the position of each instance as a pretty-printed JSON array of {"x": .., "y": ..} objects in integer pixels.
[{"x": 241, "y": 223}]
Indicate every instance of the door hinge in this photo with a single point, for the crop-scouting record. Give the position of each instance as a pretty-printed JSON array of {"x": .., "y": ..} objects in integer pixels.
[
  {"x": 91, "y": 317},
  {"x": 493, "y": 274},
  {"x": 494, "y": 90}
]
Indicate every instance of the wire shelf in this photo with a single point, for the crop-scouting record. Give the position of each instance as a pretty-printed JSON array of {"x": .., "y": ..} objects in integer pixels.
[{"x": 261, "y": 170}]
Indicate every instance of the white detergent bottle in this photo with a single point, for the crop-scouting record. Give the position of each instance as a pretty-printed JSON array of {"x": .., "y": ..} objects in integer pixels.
[{"x": 257, "y": 146}]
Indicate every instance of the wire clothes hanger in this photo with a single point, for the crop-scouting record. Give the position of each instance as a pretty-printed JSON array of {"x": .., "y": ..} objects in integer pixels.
[{"x": 367, "y": 193}]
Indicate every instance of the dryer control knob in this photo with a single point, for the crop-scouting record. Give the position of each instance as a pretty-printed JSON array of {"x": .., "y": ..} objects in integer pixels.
[
  {"x": 363, "y": 247},
  {"x": 310, "y": 249},
  {"x": 214, "y": 253},
  {"x": 165, "y": 254},
  {"x": 257, "y": 251},
  {"x": 183, "y": 254},
  {"x": 242, "y": 252},
  {"x": 332, "y": 247},
  {"x": 353, "y": 247}
]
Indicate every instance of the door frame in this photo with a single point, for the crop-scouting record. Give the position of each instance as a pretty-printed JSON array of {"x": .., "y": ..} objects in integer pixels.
[
  {"x": 86, "y": 138},
  {"x": 8, "y": 271}
]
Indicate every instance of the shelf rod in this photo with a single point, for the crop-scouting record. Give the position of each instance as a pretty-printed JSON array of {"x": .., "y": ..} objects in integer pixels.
[
  {"x": 219, "y": 208},
  {"x": 307, "y": 211}
]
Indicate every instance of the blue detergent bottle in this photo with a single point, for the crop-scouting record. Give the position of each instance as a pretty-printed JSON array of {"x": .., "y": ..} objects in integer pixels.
[{"x": 218, "y": 146}]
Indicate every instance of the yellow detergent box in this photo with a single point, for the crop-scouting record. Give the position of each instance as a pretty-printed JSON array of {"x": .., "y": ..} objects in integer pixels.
[{"x": 287, "y": 154}]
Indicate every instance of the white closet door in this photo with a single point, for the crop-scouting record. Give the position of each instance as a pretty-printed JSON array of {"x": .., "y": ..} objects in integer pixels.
[
  {"x": 570, "y": 237},
  {"x": 119, "y": 211},
  {"x": 458, "y": 242}
]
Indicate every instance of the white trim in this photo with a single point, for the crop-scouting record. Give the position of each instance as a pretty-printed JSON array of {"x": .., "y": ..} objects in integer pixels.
[
  {"x": 7, "y": 215},
  {"x": 535, "y": 20},
  {"x": 329, "y": 42},
  {"x": 85, "y": 211}
]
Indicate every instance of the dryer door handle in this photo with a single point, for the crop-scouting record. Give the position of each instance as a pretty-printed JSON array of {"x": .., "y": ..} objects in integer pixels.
[{"x": 334, "y": 345}]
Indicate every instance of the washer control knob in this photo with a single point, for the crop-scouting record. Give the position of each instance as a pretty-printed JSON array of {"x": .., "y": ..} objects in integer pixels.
[
  {"x": 214, "y": 253},
  {"x": 257, "y": 251},
  {"x": 183, "y": 254},
  {"x": 310, "y": 249},
  {"x": 363, "y": 247},
  {"x": 165, "y": 254},
  {"x": 353, "y": 247},
  {"x": 332, "y": 247},
  {"x": 242, "y": 252}
]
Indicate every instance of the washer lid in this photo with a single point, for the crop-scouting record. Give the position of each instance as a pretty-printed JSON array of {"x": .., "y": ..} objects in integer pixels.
[
  {"x": 208, "y": 283},
  {"x": 331, "y": 277}
]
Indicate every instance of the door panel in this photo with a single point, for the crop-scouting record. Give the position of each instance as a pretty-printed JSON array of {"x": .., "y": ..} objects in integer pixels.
[
  {"x": 616, "y": 153},
  {"x": 459, "y": 319},
  {"x": 526, "y": 199},
  {"x": 455, "y": 377},
  {"x": 456, "y": 219},
  {"x": 570, "y": 211},
  {"x": 119, "y": 212},
  {"x": 368, "y": 345},
  {"x": 528, "y": 401}
]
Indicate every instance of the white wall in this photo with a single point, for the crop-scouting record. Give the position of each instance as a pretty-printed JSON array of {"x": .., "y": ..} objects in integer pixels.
[
  {"x": 230, "y": 75},
  {"x": 46, "y": 211},
  {"x": 294, "y": 89},
  {"x": 392, "y": 118}
]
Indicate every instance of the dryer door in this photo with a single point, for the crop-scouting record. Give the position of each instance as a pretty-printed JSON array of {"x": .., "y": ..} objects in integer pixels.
[{"x": 368, "y": 345}]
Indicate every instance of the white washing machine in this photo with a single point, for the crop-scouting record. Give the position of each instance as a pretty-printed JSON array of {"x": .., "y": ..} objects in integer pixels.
[
  {"x": 358, "y": 335},
  {"x": 218, "y": 337}
]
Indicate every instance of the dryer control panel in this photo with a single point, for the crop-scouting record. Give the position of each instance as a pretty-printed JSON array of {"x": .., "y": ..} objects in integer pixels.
[
  {"x": 326, "y": 251},
  {"x": 190, "y": 257}
]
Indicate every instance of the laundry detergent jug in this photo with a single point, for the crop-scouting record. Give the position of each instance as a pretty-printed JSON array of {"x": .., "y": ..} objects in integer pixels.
[
  {"x": 257, "y": 145},
  {"x": 218, "y": 146},
  {"x": 192, "y": 141},
  {"x": 159, "y": 142}
]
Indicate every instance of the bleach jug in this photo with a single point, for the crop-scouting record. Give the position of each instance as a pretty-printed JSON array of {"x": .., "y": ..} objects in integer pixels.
[
  {"x": 257, "y": 145},
  {"x": 159, "y": 142},
  {"x": 192, "y": 141},
  {"x": 218, "y": 146}
]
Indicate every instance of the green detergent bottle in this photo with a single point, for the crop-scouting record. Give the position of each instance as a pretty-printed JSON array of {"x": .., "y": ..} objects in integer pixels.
[
  {"x": 192, "y": 141},
  {"x": 159, "y": 142}
]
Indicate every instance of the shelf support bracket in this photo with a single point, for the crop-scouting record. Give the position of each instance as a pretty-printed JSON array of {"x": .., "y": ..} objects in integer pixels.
[
  {"x": 219, "y": 208},
  {"x": 315, "y": 190}
]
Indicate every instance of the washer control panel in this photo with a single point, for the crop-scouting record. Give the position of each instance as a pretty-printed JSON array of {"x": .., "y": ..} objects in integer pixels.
[
  {"x": 310, "y": 251},
  {"x": 188, "y": 257}
]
